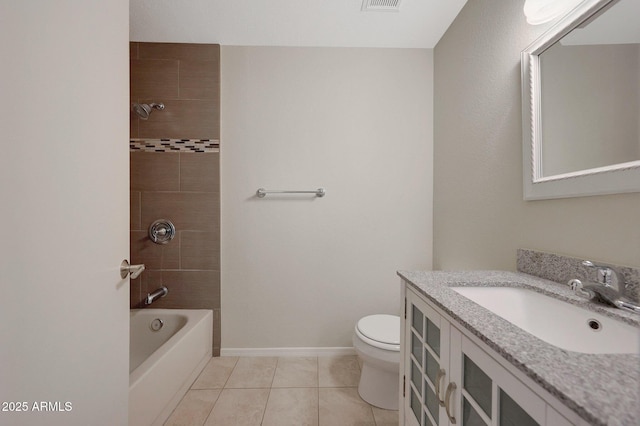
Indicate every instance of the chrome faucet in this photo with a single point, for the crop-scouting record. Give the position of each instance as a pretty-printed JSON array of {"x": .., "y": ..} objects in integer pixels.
[
  {"x": 152, "y": 297},
  {"x": 607, "y": 276},
  {"x": 608, "y": 287}
]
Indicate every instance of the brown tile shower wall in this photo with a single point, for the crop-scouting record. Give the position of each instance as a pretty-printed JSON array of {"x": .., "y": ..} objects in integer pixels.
[
  {"x": 181, "y": 186},
  {"x": 186, "y": 78},
  {"x": 164, "y": 186}
]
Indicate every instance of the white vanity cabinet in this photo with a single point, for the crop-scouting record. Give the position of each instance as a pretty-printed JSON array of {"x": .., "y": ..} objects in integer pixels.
[{"x": 448, "y": 379}]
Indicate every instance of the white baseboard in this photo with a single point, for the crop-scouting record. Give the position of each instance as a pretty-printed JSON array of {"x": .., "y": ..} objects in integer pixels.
[{"x": 339, "y": 351}]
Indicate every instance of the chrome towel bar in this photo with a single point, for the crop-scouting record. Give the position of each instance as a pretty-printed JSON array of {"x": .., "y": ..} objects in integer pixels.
[{"x": 261, "y": 192}]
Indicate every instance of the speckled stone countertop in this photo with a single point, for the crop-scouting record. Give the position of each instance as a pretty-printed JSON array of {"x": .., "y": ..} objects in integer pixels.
[{"x": 603, "y": 389}]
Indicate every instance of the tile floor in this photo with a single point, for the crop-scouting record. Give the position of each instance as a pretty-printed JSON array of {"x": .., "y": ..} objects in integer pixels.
[{"x": 289, "y": 391}]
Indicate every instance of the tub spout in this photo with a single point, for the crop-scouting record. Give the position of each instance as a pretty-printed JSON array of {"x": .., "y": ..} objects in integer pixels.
[{"x": 152, "y": 297}]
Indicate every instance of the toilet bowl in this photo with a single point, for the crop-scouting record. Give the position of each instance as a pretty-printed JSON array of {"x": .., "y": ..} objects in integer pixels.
[{"x": 377, "y": 341}]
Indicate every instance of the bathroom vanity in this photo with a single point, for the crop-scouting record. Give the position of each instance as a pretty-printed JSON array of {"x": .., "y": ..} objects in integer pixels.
[{"x": 463, "y": 364}]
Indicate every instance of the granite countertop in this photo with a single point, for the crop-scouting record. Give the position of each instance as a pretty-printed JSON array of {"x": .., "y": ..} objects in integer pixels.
[{"x": 603, "y": 389}]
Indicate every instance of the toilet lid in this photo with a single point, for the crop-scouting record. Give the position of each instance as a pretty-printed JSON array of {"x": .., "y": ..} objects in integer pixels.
[{"x": 381, "y": 328}]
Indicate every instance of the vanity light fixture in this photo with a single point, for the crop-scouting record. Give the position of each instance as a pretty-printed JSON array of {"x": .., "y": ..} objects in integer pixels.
[{"x": 542, "y": 11}]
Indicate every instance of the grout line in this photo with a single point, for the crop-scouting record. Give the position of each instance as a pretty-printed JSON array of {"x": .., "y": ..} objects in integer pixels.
[
  {"x": 214, "y": 403},
  {"x": 274, "y": 373},
  {"x": 139, "y": 212},
  {"x": 176, "y": 407},
  {"x": 270, "y": 388},
  {"x": 179, "y": 66},
  {"x": 372, "y": 415},
  {"x": 213, "y": 407},
  {"x": 224, "y": 386},
  {"x": 180, "y": 171},
  {"x": 232, "y": 370},
  {"x": 264, "y": 411}
]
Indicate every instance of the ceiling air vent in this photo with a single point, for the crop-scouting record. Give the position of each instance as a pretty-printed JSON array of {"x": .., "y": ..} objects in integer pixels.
[{"x": 381, "y": 5}]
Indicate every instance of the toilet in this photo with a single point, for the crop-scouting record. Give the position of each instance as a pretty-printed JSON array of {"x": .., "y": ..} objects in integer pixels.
[{"x": 377, "y": 341}]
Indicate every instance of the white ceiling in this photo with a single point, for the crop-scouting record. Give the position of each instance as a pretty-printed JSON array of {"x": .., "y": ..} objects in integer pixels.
[{"x": 332, "y": 23}]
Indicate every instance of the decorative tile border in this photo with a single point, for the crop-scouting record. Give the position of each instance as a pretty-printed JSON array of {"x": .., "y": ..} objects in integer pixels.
[
  {"x": 174, "y": 145},
  {"x": 561, "y": 269}
]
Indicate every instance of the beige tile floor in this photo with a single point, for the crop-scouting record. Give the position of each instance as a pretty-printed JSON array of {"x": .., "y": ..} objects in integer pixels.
[{"x": 270, "y": 391}]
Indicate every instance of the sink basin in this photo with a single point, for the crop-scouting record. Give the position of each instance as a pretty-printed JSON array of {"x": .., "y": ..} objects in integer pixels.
[{"x": 556, "y": 322}]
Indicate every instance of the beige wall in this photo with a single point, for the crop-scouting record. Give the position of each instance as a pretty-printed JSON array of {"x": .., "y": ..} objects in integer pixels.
[
  {"x": 300, "y": 272},
  {"x": 480, "y": 218}
]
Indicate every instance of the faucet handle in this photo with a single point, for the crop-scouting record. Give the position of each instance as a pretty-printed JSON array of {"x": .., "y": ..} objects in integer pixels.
[
  {"x": 607, "y": 276},
  {"x": 604, "y": 272},
  {"x": 576, "y": 286}
]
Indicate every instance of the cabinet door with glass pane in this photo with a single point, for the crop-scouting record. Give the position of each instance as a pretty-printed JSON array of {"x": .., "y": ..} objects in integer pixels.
[
  {"x": 426, "y": 364},
  {"x": 491, "y": 396},
  {"x": 451, "y": 380}
]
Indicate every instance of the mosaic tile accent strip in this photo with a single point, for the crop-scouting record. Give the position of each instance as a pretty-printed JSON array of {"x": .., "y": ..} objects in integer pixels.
[
  {"x": 561, "y": 269},
  {"x": 174, "y": 145}
]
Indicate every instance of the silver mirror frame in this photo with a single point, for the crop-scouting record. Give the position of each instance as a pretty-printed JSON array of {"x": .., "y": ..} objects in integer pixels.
[{"x": 617, "y": 178}]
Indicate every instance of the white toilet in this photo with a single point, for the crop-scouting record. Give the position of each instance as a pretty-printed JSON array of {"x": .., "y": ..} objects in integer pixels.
[{"x": 377, "y": 342}]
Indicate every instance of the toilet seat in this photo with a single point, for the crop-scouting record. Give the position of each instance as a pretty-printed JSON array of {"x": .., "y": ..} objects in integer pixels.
[{"x": 380, "y": 331}]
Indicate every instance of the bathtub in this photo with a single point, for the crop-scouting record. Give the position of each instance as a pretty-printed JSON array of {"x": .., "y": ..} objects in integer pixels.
[{"x": 163, "y": 364}]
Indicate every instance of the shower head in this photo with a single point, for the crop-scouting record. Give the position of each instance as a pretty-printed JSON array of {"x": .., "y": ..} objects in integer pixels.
[{"x": 144, "y": 110}]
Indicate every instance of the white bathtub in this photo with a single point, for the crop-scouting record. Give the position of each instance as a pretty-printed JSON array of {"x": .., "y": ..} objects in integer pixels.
[{"x": 164, "y": 363}]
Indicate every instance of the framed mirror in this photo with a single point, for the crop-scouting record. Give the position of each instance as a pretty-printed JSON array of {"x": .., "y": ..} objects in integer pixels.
[{"x": 581, "y": 103}]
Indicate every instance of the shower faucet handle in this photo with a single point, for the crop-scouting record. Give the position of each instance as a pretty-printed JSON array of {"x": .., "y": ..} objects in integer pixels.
[{"x": 162, "y": 231}]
